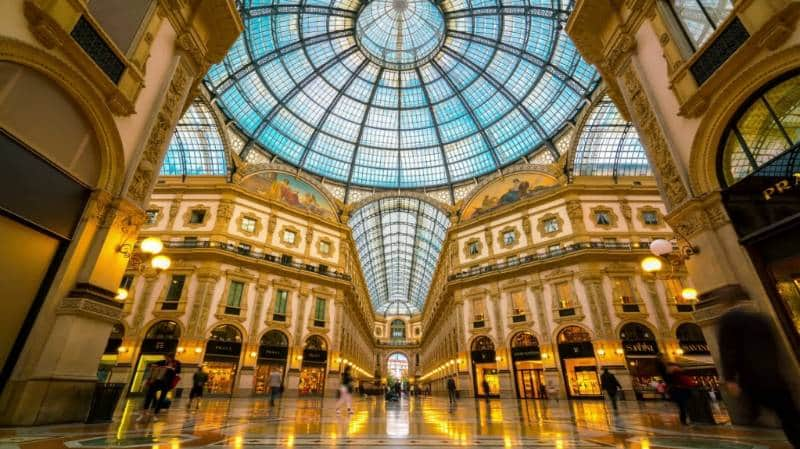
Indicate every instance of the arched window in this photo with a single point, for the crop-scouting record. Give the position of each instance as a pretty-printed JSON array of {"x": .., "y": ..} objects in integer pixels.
[
  {"x": 164, "y": 330},
  {"x": 274, "y": 339},
  {"x": 226, "y": 333},
  {"x": 196, "y": 147},
  {"x": 762, "y": 130},
  {"x": 398, "y": 329},
  {"x": 689, "y": 333},
  {"x": 609, "y": 146},
  {"x": 524, "y": 340},
  {"x": 482, "y": 344},
  {"x": 574, "y": 334},
  {"x": 699, "y": 18},
  {"x": 317, "y": 343},
  {"x": 397, "y": 365},
  {"x": 117, "y": 331},
  {"x": 635, "y": 332}
]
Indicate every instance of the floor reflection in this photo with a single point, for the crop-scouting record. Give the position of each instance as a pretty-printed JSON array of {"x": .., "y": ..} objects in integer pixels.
[{"x": 415, "y": 422}]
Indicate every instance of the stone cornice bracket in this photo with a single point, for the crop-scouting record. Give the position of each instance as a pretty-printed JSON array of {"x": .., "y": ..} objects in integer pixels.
[
  {"x": 699, "y": 214},
  {"x": 90, "y": 301}
]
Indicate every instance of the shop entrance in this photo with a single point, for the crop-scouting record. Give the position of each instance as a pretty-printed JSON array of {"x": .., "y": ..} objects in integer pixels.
[
  {"x": 641, "y": 350},
  {"x": 484, "y": 368},
  {"x": 397, "y": 367},
  {"x": 526, "y": 358},
  {"x": 578, "y": 363},
  {"x": 108, "y": 361},
  {"x": 273, "y": 352},
  {"x": 223, "y": 350},
  {"x": 696, "y": 356},
  {"x": 160, "y": 340},
  {"x": 314, "y": 367}
]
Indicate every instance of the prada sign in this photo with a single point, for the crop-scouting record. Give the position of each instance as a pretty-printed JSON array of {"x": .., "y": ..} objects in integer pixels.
[
  {"x": 158, "y": 346},
  {"x": 526, "y": 353},
  {"x": 226, "y": 348},
  {"x": 315, "y": 356},
  {"x": 576, "y": 350},
  {"x": 273, "y": 352},
  {"x": 640, "y": 347}
]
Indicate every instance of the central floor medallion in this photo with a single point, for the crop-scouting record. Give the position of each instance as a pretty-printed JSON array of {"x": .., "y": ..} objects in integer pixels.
[{"x": 400, "y": 34}]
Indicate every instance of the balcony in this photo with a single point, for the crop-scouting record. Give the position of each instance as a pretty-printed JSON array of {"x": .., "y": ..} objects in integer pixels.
[
  {"x": 286, "y": 261},
  {"x": 622, "y": 247},
  {"x": 397, "y": 342}
]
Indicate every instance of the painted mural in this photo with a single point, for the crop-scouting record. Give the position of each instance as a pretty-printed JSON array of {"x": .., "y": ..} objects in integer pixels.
[
  {"x": 290, "y": 191},
  {"x": 506, "y": 191}
]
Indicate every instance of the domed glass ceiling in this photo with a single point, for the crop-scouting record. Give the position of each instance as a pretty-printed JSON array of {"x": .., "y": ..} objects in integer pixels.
[{"x": 402, "y": 93}]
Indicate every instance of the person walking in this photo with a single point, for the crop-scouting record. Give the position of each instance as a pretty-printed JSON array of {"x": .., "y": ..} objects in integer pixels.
[
  {"x": 611, "y": 385},
  {"x": 485, "y": 386},
  {"x": 275, "y": 386},
  {"x": 163, "y": 378},
  {"x": 679, "y": 385},
  {"x": 345, "y": 397},
  {"x": 751, "y": 368},
  {"x": 451, "y": 389},
  {"x": 199, "y": 380}
]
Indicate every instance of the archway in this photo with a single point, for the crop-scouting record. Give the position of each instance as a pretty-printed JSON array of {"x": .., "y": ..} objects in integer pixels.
[
  {"x": 314, "y": 367},
  {"x": 273, "y": 352},
  {"x": 161, "y": 339},
  {"x": 640, "y": 348},
  {"x": 398, "y": 330},
  {"x": 696, "y": 356},
  {"x": 221, "y": 359},
  {"x": 485, "y": 380},
  {"x": 578, "y": 363},
  {"x": 526, "y": 360},
  {"x": 397, "y": 366}
]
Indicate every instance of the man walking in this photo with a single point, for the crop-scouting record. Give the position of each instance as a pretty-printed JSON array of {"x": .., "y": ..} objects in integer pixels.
[
  {"x": 451, "y": 389},
  {"x": 275, "y": 383},
  {"x": 611, "y": 385}
]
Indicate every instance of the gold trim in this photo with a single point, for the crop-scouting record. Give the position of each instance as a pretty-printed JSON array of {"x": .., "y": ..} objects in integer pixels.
[
  {"x": 501, "y": 237},
  {"x": 257, "y": 225},
  {"x": 659, "y": 217},
  {"x": 550, "y": 216},
  {"x": 187, "y": 216},
  {"x": 467, "y": 254},
  {"x": 297, "y": 236},
  {"x": 159, "y": 216},
  {"x": 331, "y": 247},
  {"x": 612, "y": 216}
]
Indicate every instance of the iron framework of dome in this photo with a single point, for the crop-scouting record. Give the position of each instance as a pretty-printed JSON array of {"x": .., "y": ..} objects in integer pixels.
[{"x": 402, "y": 93}]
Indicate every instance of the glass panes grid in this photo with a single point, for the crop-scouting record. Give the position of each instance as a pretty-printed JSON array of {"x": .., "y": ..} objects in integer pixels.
[
  {"x": 398, "y": 242},
  {"x": 609, "y": 146},
  {"x": 503, "y": 81},
  {"x": 196, "y": 147},
  {"x": 765, "y": 129},
  {"x": 700, "y": 18}
]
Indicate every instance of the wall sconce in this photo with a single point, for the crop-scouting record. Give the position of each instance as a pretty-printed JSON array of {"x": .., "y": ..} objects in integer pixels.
[
  {"x": 299, "y": 357},
  {"x": 619, "y": 351},
  {"x": 601, "y": 352},
  {"x": 338, "y": 360},
  {"x": 253, "y": 354},
  {"x": 161, "y": 262},
  {"x": 122, "y": 349},
  {"x": 545, "y": 356},
  {"x": 689, "y": 294},
  {"x": 122, "y": 294},
  {"x": 498, "y": 359},
  {"x": 198, "y": 350},
  {"x": 180, "y": 350},
  {"x": 150, "y": 249},
  {"x": 679, "y": 351}
]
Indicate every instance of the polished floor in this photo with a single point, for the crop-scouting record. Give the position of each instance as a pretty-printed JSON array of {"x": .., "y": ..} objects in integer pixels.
[{"x": 417, "y": 423}]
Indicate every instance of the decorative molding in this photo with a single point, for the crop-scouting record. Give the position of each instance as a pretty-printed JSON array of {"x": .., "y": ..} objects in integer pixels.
[
  {"x": 612, "y": 217},
  {"x": 467, "y": 254},
  {"x": 659, "y": 217},
  {"x": 297, "y": 236},
  {"x": 502, "y": 234},
  {"x": 331, "y": 247},
  {"x": 240, "y": 221},
  {"x": 187, "y": 216},
  {"x": 540, "y": 226}
]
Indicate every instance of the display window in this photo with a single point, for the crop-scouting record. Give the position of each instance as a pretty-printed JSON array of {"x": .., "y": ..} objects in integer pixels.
[
  {"x": 221, "y": 377},
  {"x": 263, "y": 370},
  {"x": 107, "y": 364},
  {"x": 312, "y": 380},
  {"x": 582, "y": 379},
  {"x": 530, "y": 379},
  {"x": 578, "y": 362},
  {"x": 143, "y": 369},
  {"x": 641, "y": 350},
  {"x": 487, "y": 372}
]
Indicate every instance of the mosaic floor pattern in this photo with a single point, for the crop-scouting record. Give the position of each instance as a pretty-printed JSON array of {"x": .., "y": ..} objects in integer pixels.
[{"x": 419, "y": 423}]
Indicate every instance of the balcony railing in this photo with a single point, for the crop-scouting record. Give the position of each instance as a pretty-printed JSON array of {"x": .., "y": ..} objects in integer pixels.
[
  {"x": 397, "y": 342},
  {"x": 235, "y": 249},
  {"x": 550, "y": 254}
]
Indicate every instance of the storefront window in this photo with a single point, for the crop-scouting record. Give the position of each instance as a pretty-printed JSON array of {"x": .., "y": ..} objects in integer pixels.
[
  {"x": 527, "y": 363},
  {"x": 312, "y": 372},
  {"x": 273, "y": 352},
  {"x": 641, "y": 350},
  {"x": 578, "y": 362},
  {"x": 222, "y": 358}
]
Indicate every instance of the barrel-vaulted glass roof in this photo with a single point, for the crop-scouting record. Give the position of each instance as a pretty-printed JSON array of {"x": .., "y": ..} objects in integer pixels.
[
  {"x": 402, "y": 93},
  {"x": 398, "y": 241},
  {"x": 196, "y": 147}
]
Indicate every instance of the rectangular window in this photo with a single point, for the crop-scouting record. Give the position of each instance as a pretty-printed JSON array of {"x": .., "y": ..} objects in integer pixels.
[
  {"x": 554, "y": 249},
  {"x": 319, "y": 312},
  {"x": 550, "y": 225},
  {"x": 674, "y": 288},
  {"x": 610, "y": 241},
  {"x": 151, "y": 216},
  {"x": 286, "y": 260},
  {"x": 509, "y": 238},
  {"x": 234, "y": 304},
  {"x": 623, "y": 290},
  {"x": 474, "y": 249},
  {"x": 518, "y": 303},
  {"x": 479, "y": 310},
  {"x": 198, "y": 216},
  {"x": 279, "y": 311},
  {"x": 244, "y": 248},
  {"x": 174, "y": 292},
  {"x": 650, "y": 217},
  {"x": 289, "y": 237},
  {"x": 248, "y": 224},
  {"x": 563, "y": 294},
  {"x": 602, "y": 218},
  {"x": 324, "y": 247},
  {"x": 700, "y": 18},
  {"x": 126, "y": 282}
]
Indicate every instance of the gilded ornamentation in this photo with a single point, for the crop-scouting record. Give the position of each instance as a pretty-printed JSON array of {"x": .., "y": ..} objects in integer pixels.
[
  {"x": 610, "y": 218},
  {"x": 244, "y": 219},
  {"x": 290, "y": 236},
  {"x": 502, "y": 237},
  {"x": 469, "y": 252},
  {"x": 187, "y": 216},
  {"x": 650, "y": 210},
  {"x": 552, "y": 220}
]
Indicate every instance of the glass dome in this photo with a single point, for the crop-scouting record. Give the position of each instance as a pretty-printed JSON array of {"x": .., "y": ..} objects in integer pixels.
[{"x": 402, "y": 93}]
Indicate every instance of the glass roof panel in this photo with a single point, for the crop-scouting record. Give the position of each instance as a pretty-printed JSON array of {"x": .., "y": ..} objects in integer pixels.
[
  {"x": 196, "y": 147},
  {"x": 398, "y": 241},
  {"x": 609, "y": 146},
  {"x": 402, "y": 93}
]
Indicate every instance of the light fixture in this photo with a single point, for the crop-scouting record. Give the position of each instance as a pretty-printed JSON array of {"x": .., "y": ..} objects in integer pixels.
[
  {"x": 161, "y": 262},
  {"x": 122, "y": 294},
  {"x": 498, "y": 359},
  {"x": 620, "y": 351},
  {"x": 679, "y": 351},
  {"x": 181, "y": 350},
  {"x": 545, "y": 356},
  {"x": 689, "y": 294},
  {"x": 253, "y": 354},
  {"x": 651, "y": 264},
  {"x": 198, "y": 350},
  {"x": 122, "y": 349},
  {"x": 660, "y": 247},
  {"x": 601, "y": 352},
  {"x": 151, "y": 245},
  {"x": 299, "y": 357}
]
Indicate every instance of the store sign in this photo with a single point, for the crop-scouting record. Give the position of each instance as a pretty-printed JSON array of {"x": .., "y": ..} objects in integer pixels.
[
  {"x": 576, "y": 350},
  {"x": 526, "y": 353},
  {"x": 483, "y": 356},
  {"x": 273, "y": 352},
  {"x": 695, "y": 348},
  {"x": 226, "y": 348},
  {"x": 158, "y": 346},
  {"x": 640, "y": 347},
  {"x": 315, "y": 356}
]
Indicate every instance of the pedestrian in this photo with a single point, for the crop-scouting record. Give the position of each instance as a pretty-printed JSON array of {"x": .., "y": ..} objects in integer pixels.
[
  {"x": 752, "y": 371},
  {"x": 542, "y": 390},
  {"x": 679, "y": 385},
  {"x": 451, "y": 389},
  {"x": 199, "y": 379},
  {"x": 345, "y": 390},
  {"x": 275, "y": 386},
  {"x": 163, "y": 378},
  {"x": 398, "y": 390},
  {"x": 485, "y": 385},
  {"x": 611, "y": 385}
]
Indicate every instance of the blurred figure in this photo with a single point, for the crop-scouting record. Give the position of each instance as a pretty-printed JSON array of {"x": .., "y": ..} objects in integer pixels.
[
  {"x": 275, "y": 386},
  {"x": 611, "y": 385},
  {"x": 751, "y": 368},
  {"x": 679, "y": 385},
  {"x": 485, "y": 385},
  {"x": 345, "y": 391},
  {"x": 542, "y": 390},
  {"x": 451, "y": 389},
  {"x": 163, "y": 378},
  {"x": 199, "y": 380}
]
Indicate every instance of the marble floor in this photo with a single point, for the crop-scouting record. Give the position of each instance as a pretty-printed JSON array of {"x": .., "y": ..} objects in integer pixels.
[{"x": 417, "y": 423}]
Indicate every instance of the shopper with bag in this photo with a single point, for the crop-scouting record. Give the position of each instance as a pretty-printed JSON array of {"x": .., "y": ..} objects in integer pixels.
[{"x": 163, "y": 378}]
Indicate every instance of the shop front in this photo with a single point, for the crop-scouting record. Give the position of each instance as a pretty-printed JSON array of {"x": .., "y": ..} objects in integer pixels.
[
  {"x": 221, "y": 359},
  {"x": 314, "y": 367},
  {"x": 641, "y": 350},
  {"x": 273, "y": 353},
  {"x": 696, "y": 356},
  {"x": 759, "y": 169},
  {"x": 108, "y": 361},
  {"x": 484, "y": 368},
  {"x": 578, "y": 363},
  {"x": 160, "y": 340},
  {"x": 526, "y": 358}
]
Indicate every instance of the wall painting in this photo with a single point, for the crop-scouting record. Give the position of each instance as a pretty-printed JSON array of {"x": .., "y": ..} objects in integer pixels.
[{"x": 505, "y": 191}]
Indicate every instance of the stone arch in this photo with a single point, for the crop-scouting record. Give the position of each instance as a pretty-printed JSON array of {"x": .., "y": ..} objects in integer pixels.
[
  {"x": 514, "y": 334},
  {"x": 319, "y": 336},
  {"x": 149, "y": 326},
  {"x": 111, "y": 177},
  {"x": 557, "y": 332},
  {"x": 284, "y": 333},
  {"x": 219, "y": 324},
  {"x": 474, "y": 339},
  {"x": 354, "y": 206},
  {"x": 644, "y": 323},
  {"x": 720, "y": 111}
]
